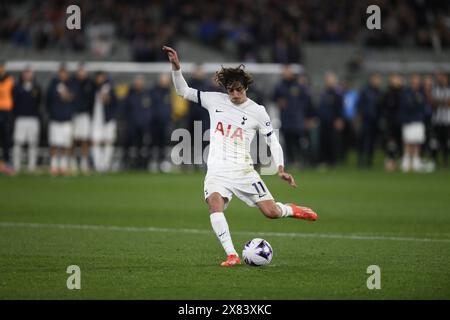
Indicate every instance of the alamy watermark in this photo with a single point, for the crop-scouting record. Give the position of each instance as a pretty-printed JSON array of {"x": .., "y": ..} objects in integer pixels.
[
  {"x": 73, "y": 21},
  {"x": 235, "y": 148},
  {"x": 374, "y": 280},
  {"x": 74, "y": 280}
]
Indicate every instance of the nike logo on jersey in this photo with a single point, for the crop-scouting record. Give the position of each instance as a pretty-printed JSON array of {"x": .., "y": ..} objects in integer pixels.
[
  {"x": 219, "y": 110},
  {"x": 223, "y": 233}
]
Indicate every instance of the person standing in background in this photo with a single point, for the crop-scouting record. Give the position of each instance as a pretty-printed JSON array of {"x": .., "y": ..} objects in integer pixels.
[
  {"x": 161, "y": 117},
  {"x": 83, "y": 100},
  {"x": 428, "y": 84},
  {"x": 138, "y": 106},
  {"x": 6, "y": 106},
  {"x": 412, "y": 116},
  {"x": 104, "y": 124},
  {"x": 330, "y": 113},
  {"x": 27, "y": 101},
  {"x": 60, "y": 97},
  {"x": 368, "y": 110},
  {"x": 350, "y": 99},
  {"x": 390, "y": 123},
  {"x": 295, "y": 105},
  {"x": 441, "y": 118}
]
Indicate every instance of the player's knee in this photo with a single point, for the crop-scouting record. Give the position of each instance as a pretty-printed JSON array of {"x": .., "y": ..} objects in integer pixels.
[{"x": 215, "y": 203}]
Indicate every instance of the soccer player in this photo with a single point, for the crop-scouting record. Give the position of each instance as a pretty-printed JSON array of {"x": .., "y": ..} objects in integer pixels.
[
  {"x": 27, "y": 100},
  {"x": 6, "y": 107},
  {"x": 60, "y": 95},
  {"x": 234, "y": 121},
  {"x": 104, "y": 123},
  {"x": 81, "y": 122}
]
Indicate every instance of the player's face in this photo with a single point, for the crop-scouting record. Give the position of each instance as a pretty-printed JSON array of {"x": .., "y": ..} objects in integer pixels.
[
  {"x": 237, "y": 93},
  {"x": 63, "y": 75},
  {"x": 28, "y": 75}
]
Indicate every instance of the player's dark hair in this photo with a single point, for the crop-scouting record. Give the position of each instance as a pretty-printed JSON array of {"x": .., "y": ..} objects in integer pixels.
[{"x": 227, "y": 76}]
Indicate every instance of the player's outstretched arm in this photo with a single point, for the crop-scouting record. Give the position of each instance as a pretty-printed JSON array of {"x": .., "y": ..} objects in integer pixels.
[
  {"x": 181, "y": 86},
  {"x": 173, "y": 57}
]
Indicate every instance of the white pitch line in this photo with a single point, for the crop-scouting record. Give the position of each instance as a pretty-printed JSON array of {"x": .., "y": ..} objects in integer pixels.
[{"x": 200, "y": 231}]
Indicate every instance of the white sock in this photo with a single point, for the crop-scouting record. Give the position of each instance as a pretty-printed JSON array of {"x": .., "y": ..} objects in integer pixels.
[
  {"x": 84, "y": 164},
  {"x": 64, "y": 163},
  {"x": 97, "y": 157},
  {"x": 54, "y": 162},
  {"x": 416, "y": 163},
  {"x": 108, "y": 154},
  {"x": 17, "y": 157},
  {"x": 73, "y": 164},
  {"x": 406, "y": 162},
  {"x": 32, "y": 157},
  {"x": 220, "y": 226},
  {"x": 286, "y": 211}
]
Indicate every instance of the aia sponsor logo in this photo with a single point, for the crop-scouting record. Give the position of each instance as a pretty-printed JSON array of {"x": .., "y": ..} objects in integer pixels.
[{"x": 229, "y": 131}]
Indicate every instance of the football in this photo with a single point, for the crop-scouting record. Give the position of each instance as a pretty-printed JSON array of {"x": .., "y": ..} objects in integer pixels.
[{"x": 257, "y": 252}]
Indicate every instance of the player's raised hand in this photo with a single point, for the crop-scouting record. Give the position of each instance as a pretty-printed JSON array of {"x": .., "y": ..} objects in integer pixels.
[
  {"x": 287, "y": 177},
  {"x": 173, "y": 57}
]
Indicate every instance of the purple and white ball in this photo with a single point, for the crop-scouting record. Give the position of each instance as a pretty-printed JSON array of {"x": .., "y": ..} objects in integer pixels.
[{"x": 257, "y": 252}]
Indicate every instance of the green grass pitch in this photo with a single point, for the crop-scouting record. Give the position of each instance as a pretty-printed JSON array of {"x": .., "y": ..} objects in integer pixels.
[{"x": 121, "y": 230}]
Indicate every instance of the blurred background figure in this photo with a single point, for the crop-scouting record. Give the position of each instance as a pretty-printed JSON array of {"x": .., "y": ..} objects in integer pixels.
[
  {"x": 138, "y": 107},
  {"x": 27, "y": 111},
  {"x": 351, "y": 124},
  {"x": 368, "y": 110},
  {"x": 441, "y": 118},
  {"x": 84, "y": 100},
  {"x": 161, "y": 119},
  {"x": 412, "y": 117},
  {"x": 198, "y": 113},
  {"x": 6, "y": 106},
  {"x": 295, "y": 105},
  {"x": 104, "y": 124},
  {"x": 390, "y": 121},
  {"x": 60, "y": 105},
  {"x": 330, "y": 113},
  {"x": 428, "y": 83}
]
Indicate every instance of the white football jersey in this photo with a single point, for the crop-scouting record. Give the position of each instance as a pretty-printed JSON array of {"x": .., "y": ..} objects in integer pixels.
[{"x": 232, "y": 130}]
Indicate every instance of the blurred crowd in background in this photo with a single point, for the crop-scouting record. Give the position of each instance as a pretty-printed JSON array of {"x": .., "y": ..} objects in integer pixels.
[
  {"x": 85, "y": 120},
  {"x": 256, "y": 30}
]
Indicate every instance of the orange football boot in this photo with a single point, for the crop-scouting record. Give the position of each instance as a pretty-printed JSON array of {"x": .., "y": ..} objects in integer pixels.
[
  {"x": 232, "y": 260},
  {"x": 303, "y": 213}
]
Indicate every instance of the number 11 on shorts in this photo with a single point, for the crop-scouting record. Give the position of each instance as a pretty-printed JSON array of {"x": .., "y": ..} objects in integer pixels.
[{"x": 255, "y": 184}]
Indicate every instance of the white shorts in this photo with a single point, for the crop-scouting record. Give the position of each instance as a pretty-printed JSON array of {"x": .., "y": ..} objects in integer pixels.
[
  {"x": 81, "y": 126},
  {"x": 60, "y": 134},
  {"x": 105, "y": 133},
  {"x": 413, "y": 133},
  {"x": 248, "y": 187},
  {"x": 26, "y": 130}
]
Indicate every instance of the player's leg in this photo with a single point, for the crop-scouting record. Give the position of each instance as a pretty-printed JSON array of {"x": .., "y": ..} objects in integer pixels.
[
  {"x": 216, "y": 203},
  {"x": 84, "y": 141},
  {"x": 33, "y": 144},
  {"x": 66, "y": 137},
  {"x": 54, "y": 151},
  {"x": 276, "y": 210},
  {"x": 110, "y": 138},
  {"x": 19, "y": 140}
]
